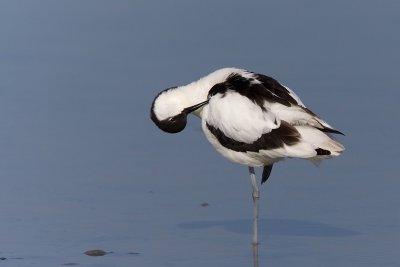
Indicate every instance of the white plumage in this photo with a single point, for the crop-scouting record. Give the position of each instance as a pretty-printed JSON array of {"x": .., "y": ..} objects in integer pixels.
[
  {"x": 249, "y": 118},
  {"x": 241, "y": 117}
]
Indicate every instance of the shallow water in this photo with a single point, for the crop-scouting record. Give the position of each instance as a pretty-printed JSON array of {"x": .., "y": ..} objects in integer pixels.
[{"x": 82, "y": 167}]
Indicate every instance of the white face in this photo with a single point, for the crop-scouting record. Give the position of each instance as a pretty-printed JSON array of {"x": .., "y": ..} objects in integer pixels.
[
  {"x": 169, "y": 112},
  {"x": 167, "y": 105}
]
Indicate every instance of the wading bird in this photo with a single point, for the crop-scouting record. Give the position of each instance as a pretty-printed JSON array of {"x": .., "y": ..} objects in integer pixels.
[{"x": 249, "y": 118}]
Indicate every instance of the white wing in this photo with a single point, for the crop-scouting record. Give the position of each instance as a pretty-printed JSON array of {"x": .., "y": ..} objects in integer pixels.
[{"x": 239, "y": 118}]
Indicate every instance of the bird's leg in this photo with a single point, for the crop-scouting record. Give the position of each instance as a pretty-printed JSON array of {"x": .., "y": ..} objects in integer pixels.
[{"x": 256, "y": 197}]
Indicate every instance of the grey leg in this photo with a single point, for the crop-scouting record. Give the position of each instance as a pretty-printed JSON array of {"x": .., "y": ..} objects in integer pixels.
[{"x": 256, "y": 198}]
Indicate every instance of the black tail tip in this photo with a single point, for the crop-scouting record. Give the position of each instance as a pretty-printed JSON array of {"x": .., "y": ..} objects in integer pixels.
[{"x": 333, "y": 131}]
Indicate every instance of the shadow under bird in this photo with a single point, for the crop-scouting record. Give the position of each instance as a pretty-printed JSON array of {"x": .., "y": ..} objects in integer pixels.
[{"x": 249, "y": 118}]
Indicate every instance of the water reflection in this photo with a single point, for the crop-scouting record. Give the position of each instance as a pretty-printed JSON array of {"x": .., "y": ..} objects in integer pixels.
[
  {"x": 287, "y": 227},
  {"x": 255, "y": 255},
  {"x": 282, "y": 227}
]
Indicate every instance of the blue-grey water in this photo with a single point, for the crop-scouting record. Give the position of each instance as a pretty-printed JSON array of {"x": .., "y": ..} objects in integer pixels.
[{"x": 82, "y": 166}]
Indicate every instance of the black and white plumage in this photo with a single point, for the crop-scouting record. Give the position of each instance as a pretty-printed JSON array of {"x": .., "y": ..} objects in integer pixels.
[{"x": 249, "y": 118}]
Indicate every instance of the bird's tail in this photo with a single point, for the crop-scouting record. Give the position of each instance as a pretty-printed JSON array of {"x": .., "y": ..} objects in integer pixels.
[{"x": 323, "y": 143}]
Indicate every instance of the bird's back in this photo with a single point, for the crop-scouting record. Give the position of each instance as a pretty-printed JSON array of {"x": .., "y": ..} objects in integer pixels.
[{"x": 254, "y": 120}]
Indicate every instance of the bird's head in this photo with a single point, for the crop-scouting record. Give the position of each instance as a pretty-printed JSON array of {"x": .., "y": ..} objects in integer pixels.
[{"x": 168, "y": 111}]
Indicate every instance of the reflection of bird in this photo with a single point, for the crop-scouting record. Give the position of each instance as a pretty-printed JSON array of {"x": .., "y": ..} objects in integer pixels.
[{"x": 250, "y": 119}]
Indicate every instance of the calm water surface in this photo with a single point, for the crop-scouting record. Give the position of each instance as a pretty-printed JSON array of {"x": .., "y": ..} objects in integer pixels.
[{"x": 82, "y": 166}]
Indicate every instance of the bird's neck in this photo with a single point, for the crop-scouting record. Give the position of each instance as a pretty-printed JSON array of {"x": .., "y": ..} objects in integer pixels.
[
  {"x": 197, "y": 91},
  {"x": 190, "y": 95}
]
